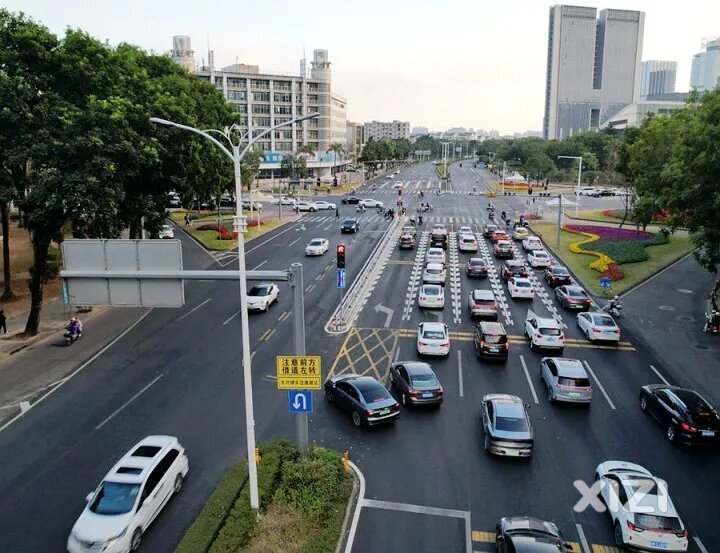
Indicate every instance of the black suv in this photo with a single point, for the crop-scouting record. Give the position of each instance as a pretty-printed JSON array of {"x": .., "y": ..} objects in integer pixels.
[
  {"x": 491, "y": 341},
  {"x": 349, "y": 225},
  {"x": 557, "y": 275},
  {"x": 439, "y": 240},
  {"x": 528, "y": 535},
  {"x": 488, "y": 230}
]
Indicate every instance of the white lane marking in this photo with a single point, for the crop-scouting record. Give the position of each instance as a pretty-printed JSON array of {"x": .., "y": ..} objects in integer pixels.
[
  {"x": 128, "y": 402},
  {"x": 700, "y": 545},
  {"x": 292, "y": 226},
  {"x": 410, "y": 508},
  {"x": 24, "y": 406},
  {"x": 529, "y": 380},
  {"x": 397, "y": 355},
  {"x": 80, "y": 368},
  {"x": 358, "y": 507},
  {"x": 583, "y": 539},
  {"x": 194, "y": 309},
  {"x": 460, "y": 374},
  {"x": 597, "y": 381},
  {"x": 231, "y": 317},
  {"x": 660, "y": 376},
  {"x": 270, "y": 376},
  {"x": 296, "y": 240},
  {"x": 256, "y": 267}
]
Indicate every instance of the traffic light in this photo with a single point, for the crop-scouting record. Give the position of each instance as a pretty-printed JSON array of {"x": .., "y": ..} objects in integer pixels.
[{"x": 341, "y": 256}]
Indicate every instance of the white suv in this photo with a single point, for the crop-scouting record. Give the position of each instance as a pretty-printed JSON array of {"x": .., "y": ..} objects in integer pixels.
[{"x": 130, "y": 497}]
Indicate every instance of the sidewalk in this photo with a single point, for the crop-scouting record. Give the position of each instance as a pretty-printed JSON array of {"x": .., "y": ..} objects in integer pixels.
[{"x": 30, "y": 368}]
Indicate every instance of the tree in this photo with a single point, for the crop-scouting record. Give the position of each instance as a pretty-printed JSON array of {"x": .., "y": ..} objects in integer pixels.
[
  {"x": 250, "y": 165},
  {"x": 337, "y": 149},
  {"x": 539, "y": 165}
]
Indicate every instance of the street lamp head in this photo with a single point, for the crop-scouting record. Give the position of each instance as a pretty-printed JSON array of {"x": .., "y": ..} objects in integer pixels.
[{"x": 160, "y": 121}]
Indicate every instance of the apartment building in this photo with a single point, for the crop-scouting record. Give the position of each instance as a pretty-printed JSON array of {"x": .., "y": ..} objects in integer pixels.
[{"x": 378, "y": 130}]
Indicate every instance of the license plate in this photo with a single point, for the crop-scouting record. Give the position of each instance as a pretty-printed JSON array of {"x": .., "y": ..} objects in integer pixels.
[
  {"x": 708, "y": 433},
  {"x": 494, "y": 350},
  {"x": 574, "y": 394},
  {"x": 512, "y": 453},
  {"x": 427, "y": 394},
  {"x": 551, "y": 339},
  {"x": 384, "y": 411},
  {"x": 658, "y": 544}
]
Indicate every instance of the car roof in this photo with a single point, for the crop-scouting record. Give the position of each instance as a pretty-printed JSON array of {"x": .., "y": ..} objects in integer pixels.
[
  {"x": 570, "y": 368},
  {"x": 133, "y": 467},
  {"x": 690, "y": 398},
  {"x": 491, "y": 327},
  {"x": 466, "y": 237},
  {"x": 598, "y": 314},
  {"x": 554, "y": 268},
  {"x": 520, "y": 279},
  {"x": 538, "y": 252},
  {"x": 547, "y": 322},
  {"x": 434, "y": 326},
  {"x": 475, "y": 260},
  {"x": 436, "y": 250},
  {"x": 417, "y": 367},
  {"x": 514, "y": 263},
  {"x": 435, "y": 266},
  {"x": 318, "y": 240}
]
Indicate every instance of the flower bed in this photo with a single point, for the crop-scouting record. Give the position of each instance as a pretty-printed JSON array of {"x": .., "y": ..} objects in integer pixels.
[
  {"x": 603, "y": 262},
  {"x": 223, "y": 232},
  {"x": 621, "y": 245}
]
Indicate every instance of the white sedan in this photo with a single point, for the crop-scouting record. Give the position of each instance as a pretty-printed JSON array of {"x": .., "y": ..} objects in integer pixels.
[
  {"x": 596, "y": 325},
  {"x": 642, "y": 513},
  {"x": 322, "y": 204},
  {"x": 166, "y": 231},
  {"x": 317, "y": 246},
  {"x": 468, "y": 243},
  {"x": 262, "y": 296},
  {"x": 539, "y": 259},
  {"x": 519, "y": 287},
  {"x": 287, "y": 200},
  {"x": 434, "y": 273},
  {"x": 464, "y": 230},
  {"x": 305, "y": 206},
  {"x": 532, "y": 243},
  {"x": 431, "y": 296},
  {"x": 433, "y": 339},
  {"x": 435, "y": 255},
  {"x": 398, "y": 185},
  {"x": 370, "y": 203}
]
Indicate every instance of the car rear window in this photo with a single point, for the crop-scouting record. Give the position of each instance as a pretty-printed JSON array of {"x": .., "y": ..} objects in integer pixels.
[
  {"x": 576, "y": 293},
  {"x": 576, "y": 382},
  {"x": 495, "y": 338},
  {"x": 656, "y": 522},
  {"x": 372, "y": 391},
  {"x": 603, "y": 321},
  {"x": 485, "y": 301},
  {"x": 316, "y": 243},
  {"x": 509, "y": 424},
  {"x": 477, "y": 263},
  {"x": 423, "y": 380},
  {"x": 549, "y": 331},
  {"x": 431, "y": 291},
  {"x": 560, "y": 271},
  {"x": 433, "y": 334},
  {"x": 433, "y": 271},
  {"x": 258, "y": 291},
  {"x": 522, "y": 284}
]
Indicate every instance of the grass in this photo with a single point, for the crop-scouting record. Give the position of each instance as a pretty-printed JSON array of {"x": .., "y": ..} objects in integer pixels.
[
  {"x": 209, "y": 238},
  {"x": 660, "y": 256},
  {"x": 440, "y": 170},
  {"x": 597, "y": 215}
]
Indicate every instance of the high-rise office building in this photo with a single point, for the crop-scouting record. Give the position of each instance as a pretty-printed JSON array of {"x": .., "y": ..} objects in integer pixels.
[
  {"x": 657, "y": 77},
  {"x": 705, "y": 73},
  {"x": 593, "y": 67},
  {"x": 378, "y": 130}
]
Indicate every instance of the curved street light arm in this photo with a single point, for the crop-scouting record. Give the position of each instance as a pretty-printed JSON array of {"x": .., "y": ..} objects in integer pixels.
[{"x": 196, "y": 131}]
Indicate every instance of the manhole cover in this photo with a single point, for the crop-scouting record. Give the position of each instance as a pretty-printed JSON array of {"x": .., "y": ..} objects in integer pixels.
[
  {"x": 685, "y": 291},
  {"x": 685, "y": 318},
  {"x": 667, "y": 308}
]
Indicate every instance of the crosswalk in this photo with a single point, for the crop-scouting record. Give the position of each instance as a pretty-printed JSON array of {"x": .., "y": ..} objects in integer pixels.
[
  {"x": 410, "y": 187},
  {"x": 372, "y": 217}
]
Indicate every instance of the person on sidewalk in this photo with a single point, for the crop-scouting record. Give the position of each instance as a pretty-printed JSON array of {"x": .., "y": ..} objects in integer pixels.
[
  {"x": 3, "y": 321},
  {"x": 337, "y": 213},
  {"x": 187, "y": 219}
]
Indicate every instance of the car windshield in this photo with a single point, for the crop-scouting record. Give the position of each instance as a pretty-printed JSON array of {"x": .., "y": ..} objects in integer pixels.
[
  {"x": 511, "y": 424},
  {"x": 655, "y": 522},
  {"x": 433, "y": 334},
  {"x": 259, "y": 291},
  {"x": 549, "y": 331},
  {"x": 166, "y": 227},
  {"x": 115, "y": 498},
  {"x": 476, "y": 263},
  {"x": 575, "y": 382},
  {"x": 348, "y": 222},
  {"x": 433, "y": 271},
  {"x": 431, "y": 291},
  {"x": 423, "y": 380},
  {"x": 560, "y": 271},
  {"x": 603, "y": 321}
]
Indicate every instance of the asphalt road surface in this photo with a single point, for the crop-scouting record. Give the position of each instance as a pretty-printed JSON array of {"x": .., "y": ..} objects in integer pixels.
[{"x": 429, "y": 484}]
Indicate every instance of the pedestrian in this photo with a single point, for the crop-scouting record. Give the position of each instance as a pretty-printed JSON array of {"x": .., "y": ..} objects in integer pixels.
[
  {"x": 187, "y": 219},
  {"x": 3, "y": 321},
  {"x": 297, "y": 209},
  {"x": 419, "y": 220},
  {"x": 337, "y": 213}
]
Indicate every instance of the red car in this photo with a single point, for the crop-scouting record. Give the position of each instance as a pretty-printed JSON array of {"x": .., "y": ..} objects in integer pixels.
[{"x": 499, "y": 235}]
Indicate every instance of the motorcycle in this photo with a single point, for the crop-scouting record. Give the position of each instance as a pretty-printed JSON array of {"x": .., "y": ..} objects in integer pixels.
[
  {"x": 360, "y": 209},
  {"x": 615, "y": 308},
  {"x": 712, "y": 324},
  {"x": 71, "y": 337}
]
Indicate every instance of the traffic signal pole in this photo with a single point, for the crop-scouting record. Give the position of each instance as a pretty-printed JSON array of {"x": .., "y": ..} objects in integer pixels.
[{"x": 296, "y": 284}]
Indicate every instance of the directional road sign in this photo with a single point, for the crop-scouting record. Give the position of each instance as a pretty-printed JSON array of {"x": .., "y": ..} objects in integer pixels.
[
  {"x": 298, "y": 372},
  {"x": 341, "y": 278},
  {"x": 300, "y": 401},
  {"x": 605, "y": 282}
]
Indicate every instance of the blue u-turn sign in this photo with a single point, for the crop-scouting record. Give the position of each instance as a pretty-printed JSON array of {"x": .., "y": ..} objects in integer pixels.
[{"x": 300, "y": 401}]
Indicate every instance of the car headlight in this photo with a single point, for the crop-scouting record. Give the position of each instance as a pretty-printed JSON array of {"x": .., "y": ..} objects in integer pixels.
[{"x": 112, "y": 540}]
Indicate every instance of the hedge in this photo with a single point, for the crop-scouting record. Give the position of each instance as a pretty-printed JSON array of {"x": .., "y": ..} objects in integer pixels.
[
  {"x": 242, "y": 520},
  {"x": 631, "y": 251},
  {"x": 204, "y": 530}
]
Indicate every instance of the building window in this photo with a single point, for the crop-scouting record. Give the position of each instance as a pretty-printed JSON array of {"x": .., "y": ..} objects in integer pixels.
[
  {"x": 298, "y": 98},
  {"x": 280, "y": 97},
  {"x": 256, "y": 83},
  {"x": 234, "y": 82},
  {"x": 263, "y": 145},
  {"x": 261, "y": 96},
  {"x": 236, "y": 95},
  {"x": 283, "y": 146},
  {"x": 278, "y": 120},
  {"x": 218, "y": 81},
  {"x": 261, "y": 108},
  {"x": 313, "y": 86},
  {"x": 283, "y": 110},
  {"x": 282, "y": 85},
  {"x": 261, "y": 121},
  {"x": 283, "y": 135},
  {"x": 594, "y": 118},
  {"x": 241, "y": 108}
]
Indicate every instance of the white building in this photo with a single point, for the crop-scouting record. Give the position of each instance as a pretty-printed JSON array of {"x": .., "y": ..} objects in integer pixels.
[
  {"x": 633, "y": 114},
  {"x": 593, "y": 67},
  {"x": 266, "y": 99},
  {"x": 419, "y": 131},
  {"x": 377, "y": 130},
  {"x": 705, "y": 73},
  {"x": 657, "y": 77},
  {"x": 182, "y": 52}
]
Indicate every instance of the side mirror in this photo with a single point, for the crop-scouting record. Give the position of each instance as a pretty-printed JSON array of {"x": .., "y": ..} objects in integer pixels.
[
  {"x": 527, "y": 406},
  {"x": 89, "y": 497},
  {"x": 567, "y": 546}
]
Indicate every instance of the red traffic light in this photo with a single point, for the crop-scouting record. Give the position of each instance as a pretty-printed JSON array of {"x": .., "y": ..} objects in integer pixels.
[
  {"x": 340, "y": 256},
  {"x": 341, "y": 249}
]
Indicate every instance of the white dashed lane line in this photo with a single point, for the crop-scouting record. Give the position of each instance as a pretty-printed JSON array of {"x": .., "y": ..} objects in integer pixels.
[
  {"x": 415, "y": 276},
  {"x": 495, "y": 281},
  {"x": 455, "y": 286}
]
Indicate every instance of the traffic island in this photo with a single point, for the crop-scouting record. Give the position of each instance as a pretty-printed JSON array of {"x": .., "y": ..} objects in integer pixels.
[
  {"x": 638, "y": 259},
  {"x": 303, "y": 505}
]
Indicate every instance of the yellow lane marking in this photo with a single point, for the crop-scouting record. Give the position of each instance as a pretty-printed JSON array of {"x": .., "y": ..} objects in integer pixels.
[
  {"x": 604, "y": 549},
  {"x": 283, "y": 316},
  {"x": 310, "y": 287},
  {"x": 253, "y": 354},
  {"x": 320, "y": 276},
  {"x": 486, "y": 537},
  {"x": 265, "y": 334},
  {"x": 575, "y": 546},
  {"x": 269, "y": 334}
]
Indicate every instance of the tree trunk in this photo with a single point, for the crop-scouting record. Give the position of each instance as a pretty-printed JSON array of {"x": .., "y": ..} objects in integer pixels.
[
  {"x": 7, "y": 294},
  {"x": 41, "y": 245}
]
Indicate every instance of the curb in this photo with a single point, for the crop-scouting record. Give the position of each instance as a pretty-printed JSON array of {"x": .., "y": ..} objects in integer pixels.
[
  {"x": 348, "y": 539},
  {"x": 351, "y": 506}
]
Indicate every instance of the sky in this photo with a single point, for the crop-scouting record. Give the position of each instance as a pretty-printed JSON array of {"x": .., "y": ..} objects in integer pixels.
[{"x": 459, "y": 63}]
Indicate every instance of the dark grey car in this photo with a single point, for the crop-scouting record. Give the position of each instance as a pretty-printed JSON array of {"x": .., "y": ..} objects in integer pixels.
[
  {"x": 416, "y": 383},
  {"x": 506, "y": 425}
]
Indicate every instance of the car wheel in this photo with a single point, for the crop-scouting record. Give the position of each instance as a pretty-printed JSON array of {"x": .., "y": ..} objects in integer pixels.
[
  {"x": 618, "y": 535},
  {"x": 643, "y": 403},
  {"x": 178, "y": 483},
  {"x": 533, "y": 347},
  {"x": 136, "y": 539},
  {"x": 267, "y": 307},
  {"x": 356, "y": 418},
  {"x": 312, "y": 209},
  {"x": 671, "y": 436},
  {"x": 550, "y": 396},
  {"x": 403, "y": 399},
  {"x": 329, "y": 396},
  {"x": 587, "y": 333}
]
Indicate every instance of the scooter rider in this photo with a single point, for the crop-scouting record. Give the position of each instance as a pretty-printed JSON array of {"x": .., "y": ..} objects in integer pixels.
[{"x": 74, "y": 328}]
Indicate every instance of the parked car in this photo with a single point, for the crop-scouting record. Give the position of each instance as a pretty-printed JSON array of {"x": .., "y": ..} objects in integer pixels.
[
  {"x": 649, "y": 522},
  {"x": 596, "y": 325},
  {"x": 543, "y": 332},
  {"x": 130, "y": 496},
  {"x": 573, "y": 297},
  {"x": 565, "y": 380},
  {"x": 317, "y": 246},
  {"x": 506, "y": 426},
  {"x": 476, "y": 267},
  {"x": 349, "y": 225},
  {"x": 482, "y": 303},
  {"x": 557, "y": 275},
  {"x": 366, "y": 400},
  {"x": 262, "y": 296},
  {"x": 433, "y": 339},
  {"x": 686, "y": 416},
  {"x": 416, "y": 383},
  {"x": 529, "y": 535},
  {"x": 431, "y": 296}
]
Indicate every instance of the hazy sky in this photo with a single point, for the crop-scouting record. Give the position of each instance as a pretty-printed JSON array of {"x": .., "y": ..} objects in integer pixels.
[{"x": 469, "y": 63}]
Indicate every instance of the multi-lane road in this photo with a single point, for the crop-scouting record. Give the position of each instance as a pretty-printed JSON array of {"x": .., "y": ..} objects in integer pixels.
[{"x": 429, "y": 486}]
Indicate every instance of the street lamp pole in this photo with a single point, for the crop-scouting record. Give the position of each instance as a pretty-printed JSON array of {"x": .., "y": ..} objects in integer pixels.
[
  {"x": 577, "y": 190},
  {"x": 236, "y": 155}
]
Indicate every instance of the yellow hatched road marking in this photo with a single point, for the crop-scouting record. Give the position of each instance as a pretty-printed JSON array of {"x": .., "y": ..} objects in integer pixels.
[
  {"x": 575, "y": 546},
  {"x": 310, "y": 287},
  {"x": 268, "y": 334},
  {"x": 320, "y": 276},
  {"x": 264, "y": 334},
  {"x": 604, "y": 549},
  {"x": 284, "y": 316},
  {"x": 485, "y": 537}
]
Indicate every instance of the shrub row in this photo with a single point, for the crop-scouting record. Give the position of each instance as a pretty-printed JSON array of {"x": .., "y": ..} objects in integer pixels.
[
  {"x": 204, "y": 530},
  {"x": 630, "y": 251},
  {"x": 242, "y": 520},
  {"x": 223, "y": 232}
]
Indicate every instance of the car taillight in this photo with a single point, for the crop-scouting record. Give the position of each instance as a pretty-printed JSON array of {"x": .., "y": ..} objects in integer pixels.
[
  {"x": 562, "y": 336},
  {"x": 482, "y": 343},
  {"x": 370, "y": 412},
  {"x": 596, "y": 329},
  {"x": 687, "y": 428},
  {"x": 507, "y": 345},
  {"x": 423, "y": 343},
  {"x": 538, "y": 335},
  {"x": 683, "y": 534},
  {"x": 634, "y": 528},
  {"x": 415, "y": 393},
  {"x": 616, "y": 331},
  {"x": 507, "y": 272},
  {"x": 523, "y": 273},
  {"x": 516, "y": 290}
]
